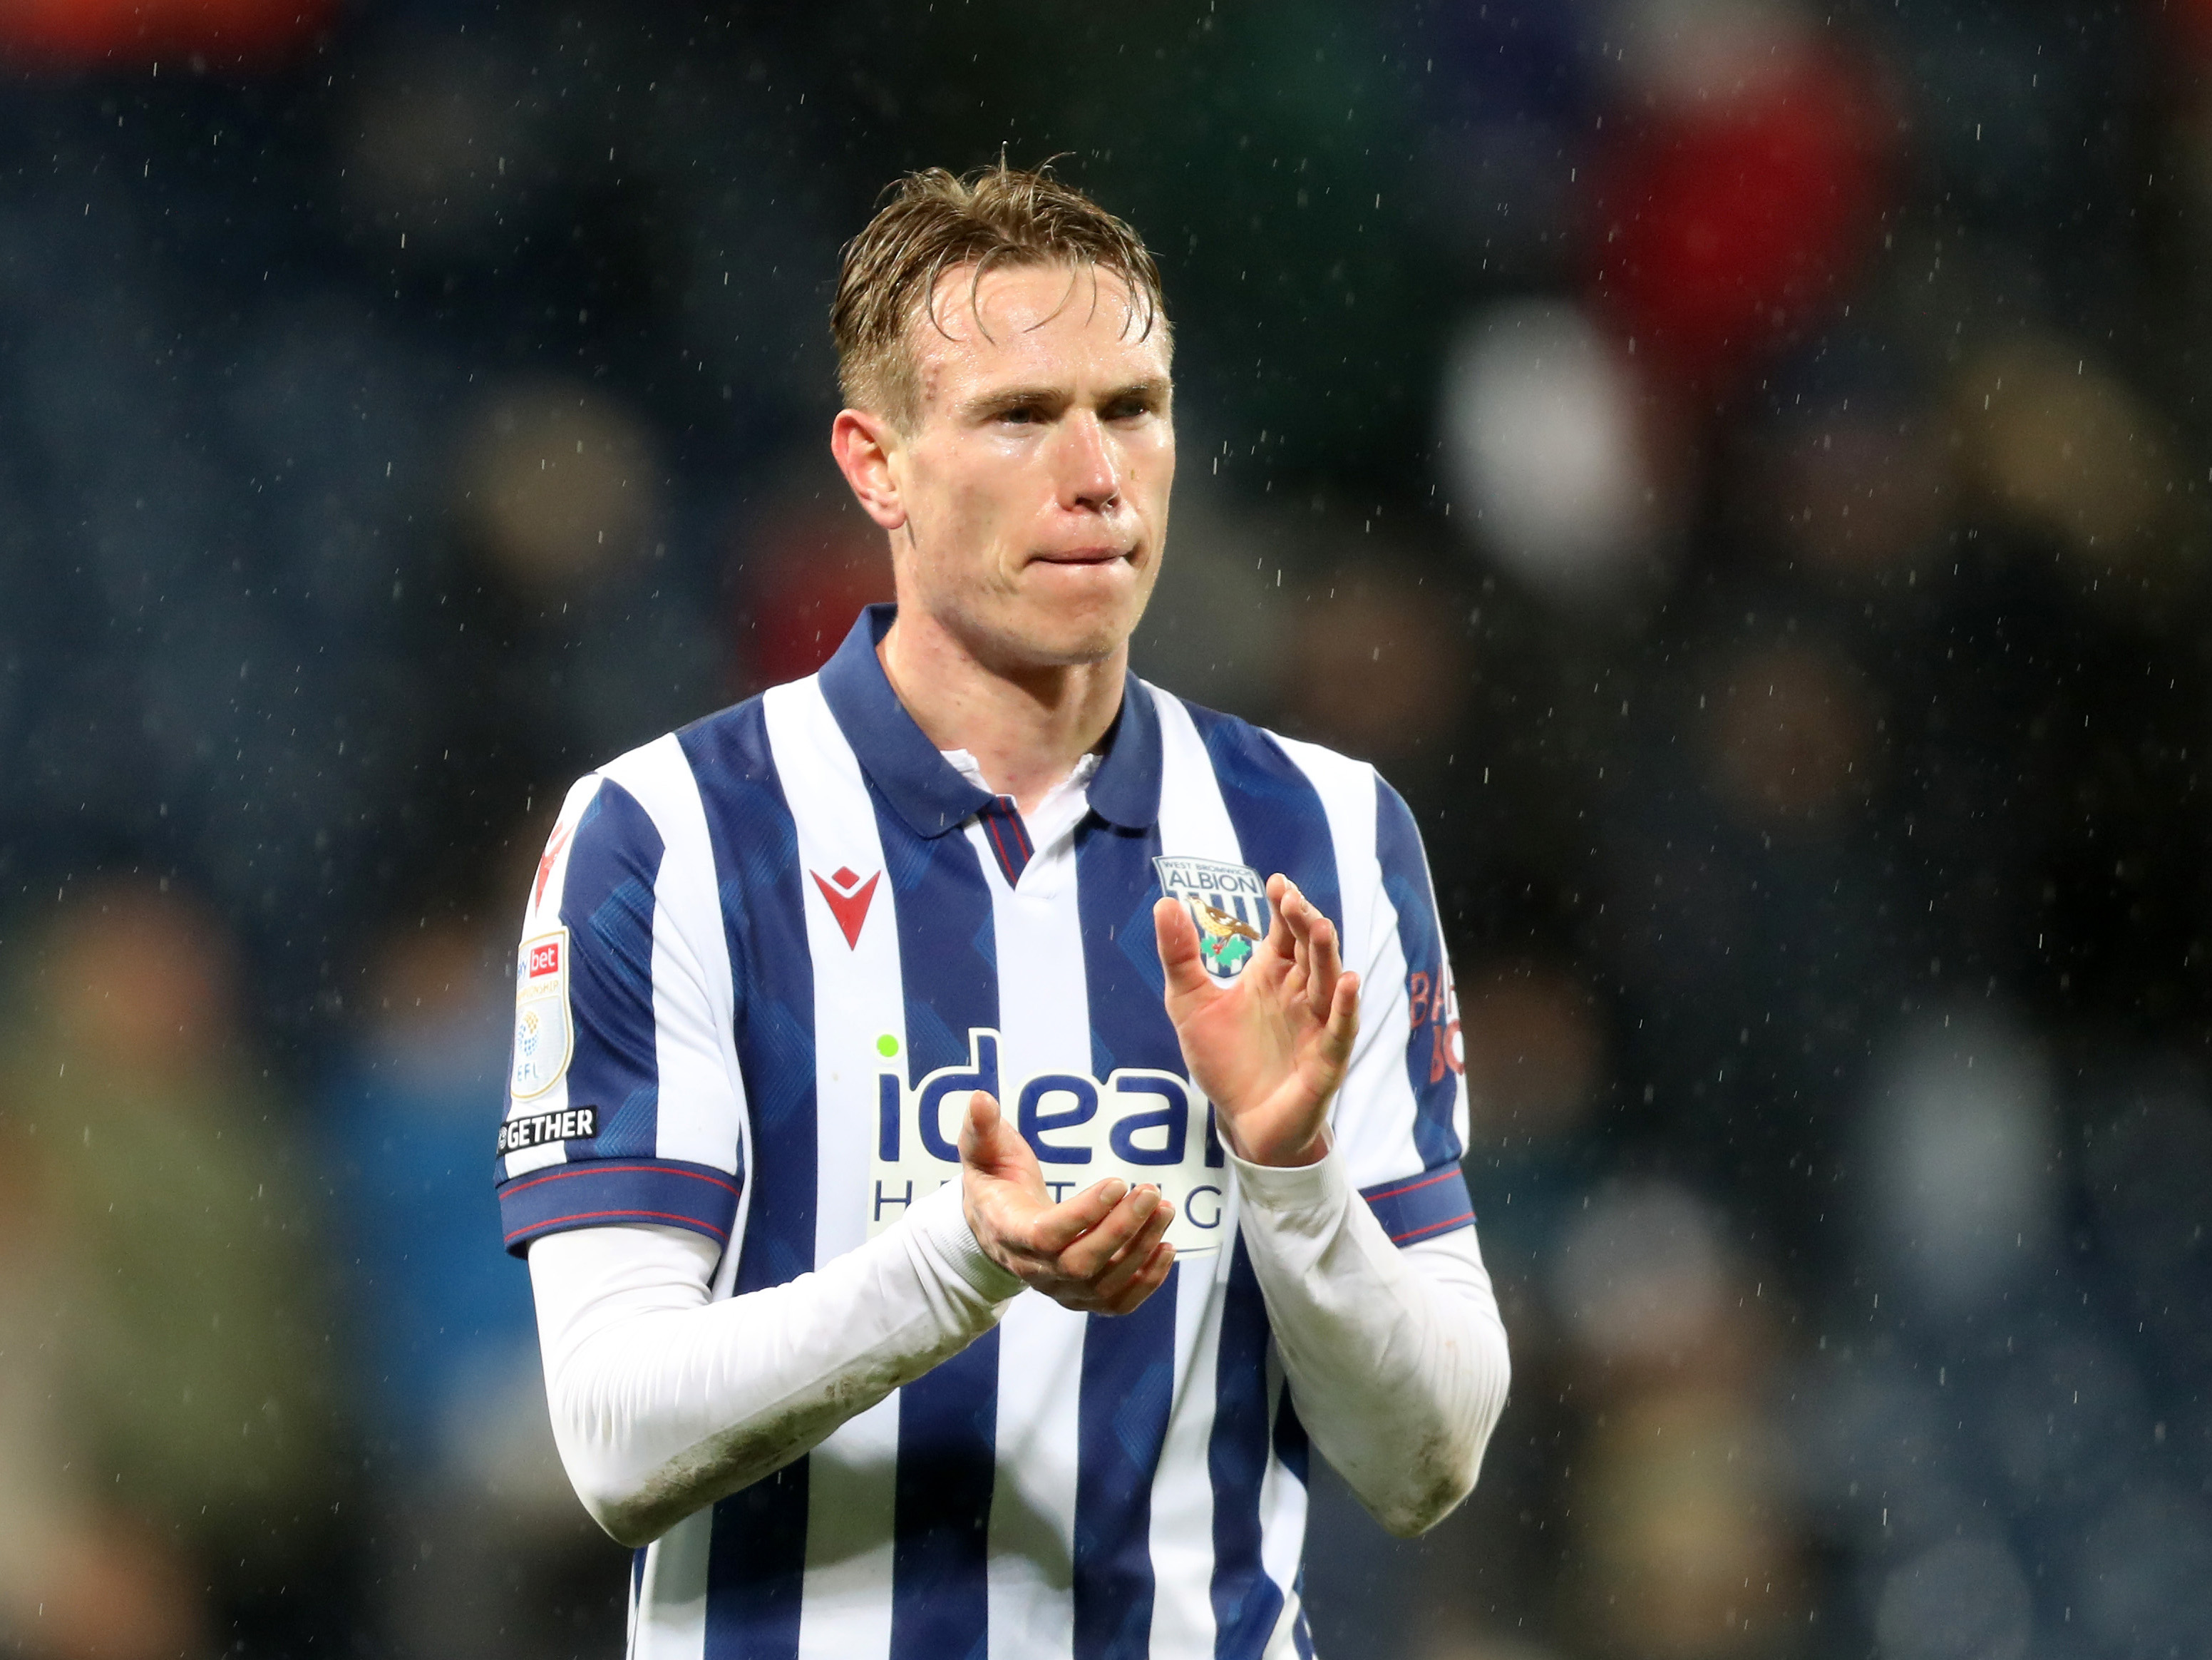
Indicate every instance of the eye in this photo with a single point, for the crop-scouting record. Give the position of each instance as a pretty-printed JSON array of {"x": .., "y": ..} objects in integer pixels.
[
  {"x": 1129, "y": 408},
  {"x": 1021, "y": 414}
]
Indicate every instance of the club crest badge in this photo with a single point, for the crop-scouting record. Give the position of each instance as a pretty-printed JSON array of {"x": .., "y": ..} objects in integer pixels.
[
  {"x": 543, "y": 1038},
  {"x": 1228, "y": 902}
]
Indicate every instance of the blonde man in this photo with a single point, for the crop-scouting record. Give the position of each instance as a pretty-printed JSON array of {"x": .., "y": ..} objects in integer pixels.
[{"x": 958, "y": 1171}]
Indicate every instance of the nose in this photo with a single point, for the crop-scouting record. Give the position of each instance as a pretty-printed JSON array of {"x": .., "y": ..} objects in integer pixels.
[{"x": 1089, "y": 479}]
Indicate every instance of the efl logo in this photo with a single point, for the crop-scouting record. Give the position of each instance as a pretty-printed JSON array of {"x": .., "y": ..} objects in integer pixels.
[{"x": 544, "y": 960}]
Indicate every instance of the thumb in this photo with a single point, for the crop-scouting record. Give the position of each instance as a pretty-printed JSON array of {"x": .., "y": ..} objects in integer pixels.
[
  {"x": 1177, "y": 937},
  {"x": 990, "y": 1146}
]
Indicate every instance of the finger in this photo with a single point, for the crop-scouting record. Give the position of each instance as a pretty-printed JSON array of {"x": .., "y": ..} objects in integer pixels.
[
  {"x": 1115, "y": 1278},
  {"x": 1148, "y": 1278},
  {"x": 1280, "y": 940},
  {"x": 1086, "y": 1257},
  {"x": 1343, "y": 1029},
  {"x": 980, "y": 1126},
  {"x": 1177, "y": 936},
  {"x": 990, "y": 1144},
  {"x": 1326, "y": 967},
  {"x": 1073, "y": 1219},
  {"x": 1300, "y": 914}
]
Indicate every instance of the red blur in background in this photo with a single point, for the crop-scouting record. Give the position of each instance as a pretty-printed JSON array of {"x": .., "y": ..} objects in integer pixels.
[
  {"x": 77, "y": 33},
  {"x": 1719, "y": 226},
  {"x": 804, "y": 574}
]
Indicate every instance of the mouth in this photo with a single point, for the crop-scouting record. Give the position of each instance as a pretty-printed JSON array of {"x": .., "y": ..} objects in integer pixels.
[{"x": 1094, "y": 555}]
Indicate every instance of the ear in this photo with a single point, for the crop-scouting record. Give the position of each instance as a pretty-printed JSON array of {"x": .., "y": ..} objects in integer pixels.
[{"x": 865, "y": 445}]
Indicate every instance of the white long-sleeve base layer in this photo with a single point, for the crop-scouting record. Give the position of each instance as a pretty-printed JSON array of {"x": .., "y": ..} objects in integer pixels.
[{"x": 664, "y": 1400}]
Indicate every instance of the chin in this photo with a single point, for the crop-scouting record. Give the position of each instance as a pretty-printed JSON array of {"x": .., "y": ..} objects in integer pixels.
[{"x": 1066, "y": 641}]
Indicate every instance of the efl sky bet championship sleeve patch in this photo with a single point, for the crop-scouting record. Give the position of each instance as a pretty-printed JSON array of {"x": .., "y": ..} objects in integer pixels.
[{"x": 544, "y": 1037}]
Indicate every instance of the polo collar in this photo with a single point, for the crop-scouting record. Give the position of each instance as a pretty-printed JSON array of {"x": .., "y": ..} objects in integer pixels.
[{"x": 925, "y": 788}]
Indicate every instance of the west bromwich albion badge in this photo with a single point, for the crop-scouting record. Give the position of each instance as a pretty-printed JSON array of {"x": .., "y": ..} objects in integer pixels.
[
  {"x": 1228, "y": 902},
  {"x": 543, "y": 1036}
]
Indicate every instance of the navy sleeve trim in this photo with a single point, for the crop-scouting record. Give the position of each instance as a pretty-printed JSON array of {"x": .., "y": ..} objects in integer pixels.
[
  {"x": 1416, "y": 1207},
  {"x": 604, "y": 1194}
]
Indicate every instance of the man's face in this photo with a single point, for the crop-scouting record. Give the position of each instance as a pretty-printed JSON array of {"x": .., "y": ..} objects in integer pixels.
[{"x": 1034, "y": 478}]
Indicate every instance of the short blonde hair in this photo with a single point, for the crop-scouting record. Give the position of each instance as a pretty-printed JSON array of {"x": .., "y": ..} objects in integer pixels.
[{"x": 934, "y": 222}]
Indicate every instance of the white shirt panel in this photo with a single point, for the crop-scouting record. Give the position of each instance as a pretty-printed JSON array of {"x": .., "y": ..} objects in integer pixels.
[
  {"x": 701, "y": 1095},
  {"x": 1044, "y": 1017},
  {"x": 1375, "y": 1112},
  {"x": 859, "y": 999}
]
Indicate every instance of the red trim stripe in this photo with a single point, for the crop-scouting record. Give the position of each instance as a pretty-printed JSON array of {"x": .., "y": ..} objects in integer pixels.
[
  {"x": 1446, "y": 1172},
  {"x": 1006, "y": 862},
  {"x": 595, "y": 1168},
  {"x": 602, "y": 1215},
  {"x": 1412, "y": 1234}
]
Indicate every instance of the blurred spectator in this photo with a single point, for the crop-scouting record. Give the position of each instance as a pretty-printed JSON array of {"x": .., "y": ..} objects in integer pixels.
[
  {"x": 1373, "y": 646},
  {"x": 1565, "y": 465},
  {"x": 803, "y": 571},
  {"x": 1690, "y": 1543},
  {"x": 1789, "y": 737},
  {"x": 484, "y": 1548},
  {"x": 1742, "y": 185},
  {"x": 176, "y": 1415},
  {"x": 1959, "y": 1162},
  {"x": 1219, "y": 630},
  {"x": 559, "y": 488}
]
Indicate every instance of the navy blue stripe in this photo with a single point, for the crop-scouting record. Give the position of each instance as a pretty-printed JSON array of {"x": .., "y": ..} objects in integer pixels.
[
  {"x": 1246, "y": 1602},
  {"x": 1424, "y": 1206},
  {"x": 756, "y": 1556},
  {"x": 926, "y": 789},
  {"x": 1292, "y": 1448},
  {"x": 607, "y": 903},
  {"x": 1126, "y": 788},
  {"x": 1116, "y": 887},
  {"x": 1280, "y": 823},
  {"x": 1121, "y": 1423},
  {"x": 756, "y": 1569},
  {"x": 1431, "y": 1061},
  {"x": 1128, "y": 1364},
  {"x": 658, "y": 1192},
  {"x": 949, "y": 1417}
]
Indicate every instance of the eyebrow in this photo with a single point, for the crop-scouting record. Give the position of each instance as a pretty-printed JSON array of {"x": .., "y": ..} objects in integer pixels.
[{"x": 1155, "y": 387}]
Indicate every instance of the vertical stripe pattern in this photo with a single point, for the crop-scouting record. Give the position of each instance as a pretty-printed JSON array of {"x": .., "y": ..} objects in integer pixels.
[
  {"x": 1129, "y": 1364},
  {"x": 787, "y": 918},
  {"x": 948, "y": 1420},
  {"x": 756, "y": 1559}
]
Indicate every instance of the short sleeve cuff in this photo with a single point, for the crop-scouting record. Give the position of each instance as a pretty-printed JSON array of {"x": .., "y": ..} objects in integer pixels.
[
  {"x": 1417, "y": 1207},
  {"x": 612, "y": 1193}
]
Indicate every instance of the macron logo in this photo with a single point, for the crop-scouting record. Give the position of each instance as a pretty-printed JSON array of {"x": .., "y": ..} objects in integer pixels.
[{"x": 848, "y": 896}]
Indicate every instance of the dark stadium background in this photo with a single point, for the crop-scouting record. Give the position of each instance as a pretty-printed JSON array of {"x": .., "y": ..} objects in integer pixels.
[{"x": 1741, "y": 467}]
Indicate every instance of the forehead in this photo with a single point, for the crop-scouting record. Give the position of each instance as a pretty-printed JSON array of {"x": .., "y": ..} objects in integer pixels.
[{"x": 1052, "y": 322}]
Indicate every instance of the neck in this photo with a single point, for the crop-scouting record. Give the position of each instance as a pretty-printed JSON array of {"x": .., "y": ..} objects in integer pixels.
[{"x": 1026, "y": 726}]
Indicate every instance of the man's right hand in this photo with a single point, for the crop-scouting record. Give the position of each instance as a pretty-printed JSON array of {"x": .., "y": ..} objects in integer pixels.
[{"x": 1101, "y": 1252}]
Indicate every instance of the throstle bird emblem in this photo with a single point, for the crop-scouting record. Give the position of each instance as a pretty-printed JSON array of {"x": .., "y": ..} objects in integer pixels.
[{"x": 1229, "y": 903}]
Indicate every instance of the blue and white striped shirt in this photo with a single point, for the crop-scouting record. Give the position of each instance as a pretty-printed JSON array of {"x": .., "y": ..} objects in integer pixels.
[{"x": 764, "y": 954}]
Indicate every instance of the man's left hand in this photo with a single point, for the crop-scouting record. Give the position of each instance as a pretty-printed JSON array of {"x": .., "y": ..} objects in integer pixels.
[{"x": 1270, "y": 1050}]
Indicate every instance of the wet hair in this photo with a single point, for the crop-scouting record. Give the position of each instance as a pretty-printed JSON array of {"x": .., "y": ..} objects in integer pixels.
[{"x": 933, "y": 222}]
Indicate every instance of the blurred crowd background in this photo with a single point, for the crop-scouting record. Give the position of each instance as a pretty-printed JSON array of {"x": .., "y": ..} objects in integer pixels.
[{"x": 1733, "y": 464}]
